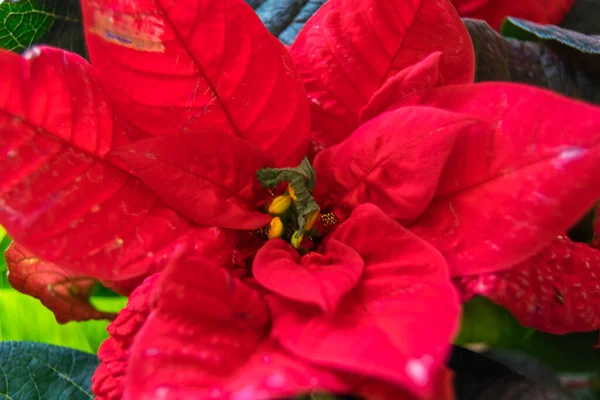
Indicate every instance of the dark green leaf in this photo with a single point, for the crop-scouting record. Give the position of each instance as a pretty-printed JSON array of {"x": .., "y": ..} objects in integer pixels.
[
  {"x": 583, "y": 17},
  {"x": 285, "y": 18},
  {"x": 53, "y": 22},
  {"x": 477, "y": 377},
  {"x": 33, "y": 371},
  {"x": 67, "y": 30},
  {"x": 534, "y": 63},
  {"x": 484, "y": 323},
  {"x": 527, "y": 30}
]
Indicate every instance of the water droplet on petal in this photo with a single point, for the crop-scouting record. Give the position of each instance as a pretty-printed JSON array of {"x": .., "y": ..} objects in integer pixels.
[
  {"x": 276, "y": 381},
  {"x": 417, "y": 372}
]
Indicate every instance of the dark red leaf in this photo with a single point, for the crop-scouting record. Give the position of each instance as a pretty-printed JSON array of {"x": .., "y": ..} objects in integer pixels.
[
  {"x": 494, "y": 11},
  {"x": 350, "y": 48},
  {"x": 395, "y": 325},
  {"x": 321, "y": 279},
  {"x": 193, "y": 65},
  {"x": 556, "y": 291},
  {"x": 64, "y": 293},
  {"x": 509, "y": 189},
  {"x": 393, "y": 161}
]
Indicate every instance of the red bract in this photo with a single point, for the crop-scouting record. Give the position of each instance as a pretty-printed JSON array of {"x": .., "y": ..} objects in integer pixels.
[
  {"x": 494, "y": 11},
  {"x": 154, "y": 150},
  {"x": 210, "y": 335},
  {"x": 557, "y": 290}
]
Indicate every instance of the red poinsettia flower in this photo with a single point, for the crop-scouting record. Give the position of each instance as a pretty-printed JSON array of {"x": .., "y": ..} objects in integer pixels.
[
  {"x": 494, "y": 11},
  {"x": 149, "y": 157}
]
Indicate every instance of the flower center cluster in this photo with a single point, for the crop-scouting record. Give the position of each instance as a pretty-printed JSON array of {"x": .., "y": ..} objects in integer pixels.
[{"x": 296, "y": 216}]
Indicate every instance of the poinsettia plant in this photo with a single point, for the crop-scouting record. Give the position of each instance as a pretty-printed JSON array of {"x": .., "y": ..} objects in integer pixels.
[{"x": 285, "y": 220}]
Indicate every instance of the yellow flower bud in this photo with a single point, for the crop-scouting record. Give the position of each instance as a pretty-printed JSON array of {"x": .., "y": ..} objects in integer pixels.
[
  {"x": 292, "y": 193},
  {"x": 276, "y": 228},
  {"x": 296, "y": 240},
  {"x": 280, "y": 204},
  {"x": 311, "y": 219}
]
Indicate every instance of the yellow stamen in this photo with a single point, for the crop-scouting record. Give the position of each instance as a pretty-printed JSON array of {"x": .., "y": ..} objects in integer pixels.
[
  {"x": 329, "y": 219},
  {"x": 276, "y": 228},
  {"x": 280, "y": 204},
  {"x": 296, "y": 240},
  {"x": 311, "y": 219},
  {"x": 292, "y": 193}
]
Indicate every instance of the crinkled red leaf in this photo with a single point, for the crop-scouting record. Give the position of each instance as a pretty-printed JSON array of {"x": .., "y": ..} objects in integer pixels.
[
  {"x": 350, "y": 48},
  {"x": 64, "y": 293},
  {"x": 109, "y": 379},
  {"x": 557, "y": 290},
  {"x": 421, "y": 76},
  {"x": 207, "y": 338},
  {"x": 321, "y": 279},
  {"x": 193, "y": 65},
  {"x": 393, "y": 161},
  {"x": 398, "y": 321},
  {"x": 509, "y": 189},
  {"x": 494, "y": 11},
  {"x": 59, "y": 197}
]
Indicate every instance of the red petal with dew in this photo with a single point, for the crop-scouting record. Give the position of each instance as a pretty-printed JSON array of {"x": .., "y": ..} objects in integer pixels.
[
  {"x": 321, "y": 279},
  {"x": 60, "y": 198},
  {"x": 393, "y": 161},
  {"x": 557, "y": 290},
  {"x": 208, "y": 177},
  {"x": 207, "y": 337},
  {"x": 510, "y": 188},
  {"x": 350, "y": 48},
  {"x": 395, "y": 325},
  {"x": 164, "y": 76}
]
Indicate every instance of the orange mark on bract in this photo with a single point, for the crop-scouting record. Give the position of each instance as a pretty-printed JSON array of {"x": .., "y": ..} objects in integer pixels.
[{"x": 142, "y": 33}]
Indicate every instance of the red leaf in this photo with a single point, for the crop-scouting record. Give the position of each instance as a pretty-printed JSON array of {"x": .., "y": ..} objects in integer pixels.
[
  {"x": 421, "y": 76},
  {"x": 393, "y": 161},
  {"x": 109, "y": 380},
  {"x": 395, "y": 325},
  {"x": 59, "y": 197},
  {"x": 207, "y": 338},
  {"x": 64, "y": 293},
  {"x": 494, "y": 11},
  {"x": 556, "y": 291},
  {"x": 208, "y": 177},
  {"x": 509, "y": 189},
  {"x": 350, "y": 48},
  {"x": 165, "y": 76},
  {"x": 321, "y": 279},
  {"x": 47, "y": 78}
]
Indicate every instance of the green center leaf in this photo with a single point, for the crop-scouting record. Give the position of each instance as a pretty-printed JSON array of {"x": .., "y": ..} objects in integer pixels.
[{"x": 302, "y": 179}]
